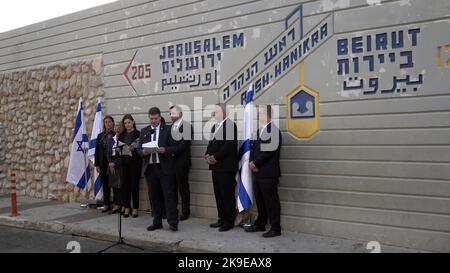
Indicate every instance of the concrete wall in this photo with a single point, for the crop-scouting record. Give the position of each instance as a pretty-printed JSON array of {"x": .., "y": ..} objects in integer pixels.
[{"x": 379, "y": 167}]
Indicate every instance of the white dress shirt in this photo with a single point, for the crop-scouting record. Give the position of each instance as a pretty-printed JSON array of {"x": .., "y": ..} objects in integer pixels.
[
  {"x": 155, "y": 131},
  {"x": 114, "y": 145},
  {"x": 218, "y": 125},
  {"x": 176, "y": 125},
  {"x": 262, "y": 130}
]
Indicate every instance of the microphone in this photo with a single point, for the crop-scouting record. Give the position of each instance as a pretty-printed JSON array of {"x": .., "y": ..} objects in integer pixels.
[
  {"x": 138, "y": 141},
  {"x": 150, "y": 132}
]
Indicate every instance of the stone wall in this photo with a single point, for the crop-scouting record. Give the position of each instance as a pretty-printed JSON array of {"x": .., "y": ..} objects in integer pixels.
[
  {"x": 2, "y": 158},
  {"x": 37, "y": 110}
]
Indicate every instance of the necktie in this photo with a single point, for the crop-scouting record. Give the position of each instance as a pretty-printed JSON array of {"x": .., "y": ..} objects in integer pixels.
[{"x": 153, "y": 139}]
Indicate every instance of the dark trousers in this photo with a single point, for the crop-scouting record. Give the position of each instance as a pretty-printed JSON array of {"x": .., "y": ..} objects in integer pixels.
[
  {"x": 224, "y": 190},
  {"x": 162, "y": 193},
  {"x": 129, "y": 184},
  {"x": 105, "y": 184},
  {"x": 107, "y": 189},
  {"x": 116, "y": 193},
  {"x": 182, "y": 182},
  {"x": 268, "y": 202}
]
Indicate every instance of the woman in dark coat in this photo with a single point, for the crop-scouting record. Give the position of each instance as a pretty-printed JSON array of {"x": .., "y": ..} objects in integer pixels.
[
  {"x": 114, "y": 165},
  {"x": 130, "y": 166},
  {"x": 101, "y": 159}
]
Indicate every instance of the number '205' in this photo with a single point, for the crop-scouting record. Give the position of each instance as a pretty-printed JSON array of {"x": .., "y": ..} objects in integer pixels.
[{"x": 141, "y": 72}]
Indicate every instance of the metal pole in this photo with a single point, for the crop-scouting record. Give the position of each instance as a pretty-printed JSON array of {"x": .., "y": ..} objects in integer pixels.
[
  {"x": 85, "y": 204},
  {"x": 14, "y": 212}
]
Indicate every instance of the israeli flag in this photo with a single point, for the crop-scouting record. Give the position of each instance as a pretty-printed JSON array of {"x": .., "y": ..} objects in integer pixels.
[
  {"x": 96, "y": 129},
  {"x": 78, "y": 172},
  {"x": 244, "y": 176}
]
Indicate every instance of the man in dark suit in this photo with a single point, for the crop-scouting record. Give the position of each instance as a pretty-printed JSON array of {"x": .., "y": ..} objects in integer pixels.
[
  {"x": 158, "y": 170},
  {"x": 221, "y": 155},
  {"x": 265, "y": 165},
  {"x": 182, "y": 134}
]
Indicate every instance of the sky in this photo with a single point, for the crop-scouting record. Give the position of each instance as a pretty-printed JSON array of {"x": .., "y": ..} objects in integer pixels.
[{"x": 19, "y": 13}]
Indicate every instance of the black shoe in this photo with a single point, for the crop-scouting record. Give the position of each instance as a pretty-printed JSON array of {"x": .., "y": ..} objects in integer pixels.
[
  {"x": 225, "y": 228},
  {"x": 216, "y": 225},
  {"x": 254, "y": 228},
  {"x": 126, "y": 215},
  {"x": 154, "y": 227},
  {"x": 114, "y": 211},
  {"x": 184, "y": 217},
  {"x": 173, "y": 227},
  {"x": 271, "y": 233},
  {"x": 135, "y": 213},
  {"x": 105, "y": 209}
]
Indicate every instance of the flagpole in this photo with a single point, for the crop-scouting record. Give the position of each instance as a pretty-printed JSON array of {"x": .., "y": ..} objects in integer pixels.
[
  {"x": 245, "y": 196},
  {"x": 85, "y": 204},
  {"x": 85, "y": 149},
  {"x": 97, "y": 128},
  {"x": 76, "y": 170}
]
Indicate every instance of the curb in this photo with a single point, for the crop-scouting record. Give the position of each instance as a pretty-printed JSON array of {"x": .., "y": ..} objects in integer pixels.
[{"x": 61, "y": 228}]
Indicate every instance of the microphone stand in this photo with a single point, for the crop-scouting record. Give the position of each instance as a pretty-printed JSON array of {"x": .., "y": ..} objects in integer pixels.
[{"x": 120, "y": 240}]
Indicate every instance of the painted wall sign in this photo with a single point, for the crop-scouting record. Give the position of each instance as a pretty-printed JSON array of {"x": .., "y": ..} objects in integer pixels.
[
  {"x": 373, "y": 51},
  {"x": 192, "y": 64},
  {"x": 303, "y": 110},
  {"x": 190, "y": 61},
  {"x": 383, "y": 62},
  {"x": 288, "y": 50},
  {"x": 444, "y": 56},
  {"x": 393, "y": 61}
]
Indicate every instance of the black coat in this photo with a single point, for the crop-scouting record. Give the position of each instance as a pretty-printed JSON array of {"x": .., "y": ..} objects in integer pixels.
[
  {"x": 135, "y": 158},
  {"x": 267, "y": 161},
  {"x": 182, "y": 155},
  {"x": 224, "y": 150},
  {"x": 110, "y": 143},
  {"x": 165, "y": 140},
  {"x": 101, "y": 149},
  {"x": 116, "y": 157}
]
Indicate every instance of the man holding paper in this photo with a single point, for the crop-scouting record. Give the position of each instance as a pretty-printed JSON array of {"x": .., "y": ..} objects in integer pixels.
[{"x": 157, "y": 147}]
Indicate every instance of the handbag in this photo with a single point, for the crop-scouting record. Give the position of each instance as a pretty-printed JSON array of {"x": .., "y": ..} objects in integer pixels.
[{"x": 114, "y": 179}]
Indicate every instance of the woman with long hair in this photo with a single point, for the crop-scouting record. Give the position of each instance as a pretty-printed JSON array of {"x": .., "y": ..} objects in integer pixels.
[
  {"x": 114, "y": 165},
  {"x": 130, "y": 165},
  {"x": 101, "y": 159}
]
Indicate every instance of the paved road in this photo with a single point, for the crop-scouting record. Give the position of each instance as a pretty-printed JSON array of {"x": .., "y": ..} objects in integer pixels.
[{"x": 14, "y": 240}]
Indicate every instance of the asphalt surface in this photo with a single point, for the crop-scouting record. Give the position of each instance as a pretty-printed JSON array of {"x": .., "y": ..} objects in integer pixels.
[{"x": 15, "y": 240}]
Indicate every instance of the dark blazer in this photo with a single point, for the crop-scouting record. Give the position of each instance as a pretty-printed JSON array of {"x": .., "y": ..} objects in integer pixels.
[
  {"x": 101, "y": 149},
  {"x": 182, "y": 155},
  {"x": 165, "y": 140},
  {"x": 224, "y": 150},
  {"x": 110, "y": 144},
  {"x": 114, "y": 180},
  {"x": 267, "y": 162},
  {"x": 136, "y": 158}
]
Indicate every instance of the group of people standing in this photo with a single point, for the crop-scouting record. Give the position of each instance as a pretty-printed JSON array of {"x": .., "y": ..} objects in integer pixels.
[
  {"x": 222, "y": 157},
  {"x": 123, "y": 156},
  {"x": 121, "y": 161}
]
